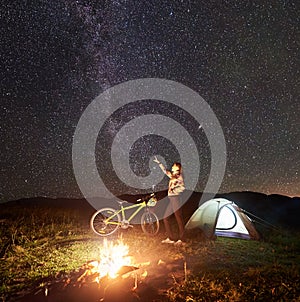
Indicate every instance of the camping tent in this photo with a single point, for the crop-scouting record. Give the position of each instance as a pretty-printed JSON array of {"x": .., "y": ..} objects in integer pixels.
[{"x": 222, "y": 217}]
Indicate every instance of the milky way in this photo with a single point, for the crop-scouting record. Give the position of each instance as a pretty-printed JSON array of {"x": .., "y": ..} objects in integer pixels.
[{"x": 241, "y": 57}]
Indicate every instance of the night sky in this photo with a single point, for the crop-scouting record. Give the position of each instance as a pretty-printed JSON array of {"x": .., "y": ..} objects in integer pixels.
[{"x": 242, "y": 57}]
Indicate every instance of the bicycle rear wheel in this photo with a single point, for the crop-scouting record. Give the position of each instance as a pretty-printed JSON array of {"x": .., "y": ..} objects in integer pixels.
[
  {"x": 105, "y": 221},
  {"x": 149, "y": 223}
]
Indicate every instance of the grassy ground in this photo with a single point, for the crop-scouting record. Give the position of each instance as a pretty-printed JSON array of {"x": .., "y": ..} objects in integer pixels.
[{"x": 41, "y": 244}]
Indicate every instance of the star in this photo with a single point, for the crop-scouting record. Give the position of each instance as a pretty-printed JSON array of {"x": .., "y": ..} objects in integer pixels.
[{"x": 58, "y": 56}]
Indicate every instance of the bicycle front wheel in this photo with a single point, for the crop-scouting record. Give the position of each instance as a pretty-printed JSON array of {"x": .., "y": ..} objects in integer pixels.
[
  {"x": 149, "y": 223},
  {"x": 105, "y": 221}
]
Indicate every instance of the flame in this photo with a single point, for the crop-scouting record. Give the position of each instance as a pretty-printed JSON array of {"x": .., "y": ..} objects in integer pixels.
[
  {"x": 113, "y": 256},
  {"x": 113, "y": 262}
]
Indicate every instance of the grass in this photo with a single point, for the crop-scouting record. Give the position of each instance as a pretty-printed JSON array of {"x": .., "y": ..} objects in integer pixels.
[
  {"x": 237, "y": 270},
  {"x": 40, "y": 244}
]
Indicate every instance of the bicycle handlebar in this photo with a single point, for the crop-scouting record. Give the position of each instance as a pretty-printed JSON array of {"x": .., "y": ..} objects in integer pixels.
[{"x": 146, "y": 198}]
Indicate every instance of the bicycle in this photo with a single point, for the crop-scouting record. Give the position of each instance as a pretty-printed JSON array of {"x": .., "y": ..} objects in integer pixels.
[{"x": 106, "y": 221}]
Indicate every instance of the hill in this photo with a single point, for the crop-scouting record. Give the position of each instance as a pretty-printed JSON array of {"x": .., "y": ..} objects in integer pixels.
[
  {"x": 279, "y": 210},
  {"x": 275, "y": 209}
]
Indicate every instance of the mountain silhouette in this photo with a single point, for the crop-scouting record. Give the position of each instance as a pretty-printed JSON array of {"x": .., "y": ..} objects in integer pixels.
[{"x": 275, "y": 209}]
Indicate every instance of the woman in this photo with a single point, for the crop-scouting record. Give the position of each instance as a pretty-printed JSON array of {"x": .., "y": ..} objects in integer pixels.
[{"x": 176, "y": 187}]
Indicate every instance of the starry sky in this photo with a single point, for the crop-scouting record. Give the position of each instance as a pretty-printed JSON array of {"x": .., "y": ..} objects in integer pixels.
[{"x": 242, "y": 57}]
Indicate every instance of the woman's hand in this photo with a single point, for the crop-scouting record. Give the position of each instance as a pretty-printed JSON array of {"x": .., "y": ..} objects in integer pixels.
[{"x": 156, "y": 160}]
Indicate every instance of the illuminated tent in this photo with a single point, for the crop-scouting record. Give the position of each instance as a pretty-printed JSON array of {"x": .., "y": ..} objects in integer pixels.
[{"x": 222, "y": 217}]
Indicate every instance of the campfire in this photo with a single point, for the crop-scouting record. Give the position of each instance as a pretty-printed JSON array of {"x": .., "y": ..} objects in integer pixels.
[
  {"x": 113, "y": 262},
  {"x": 115, "y": 274}
]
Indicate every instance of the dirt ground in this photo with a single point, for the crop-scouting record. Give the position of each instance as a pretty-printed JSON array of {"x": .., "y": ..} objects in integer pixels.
[{"x": 148, "y": 283}]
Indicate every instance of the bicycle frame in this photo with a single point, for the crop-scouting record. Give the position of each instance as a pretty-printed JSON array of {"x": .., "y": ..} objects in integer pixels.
[{"x": 122, "y": 210}]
